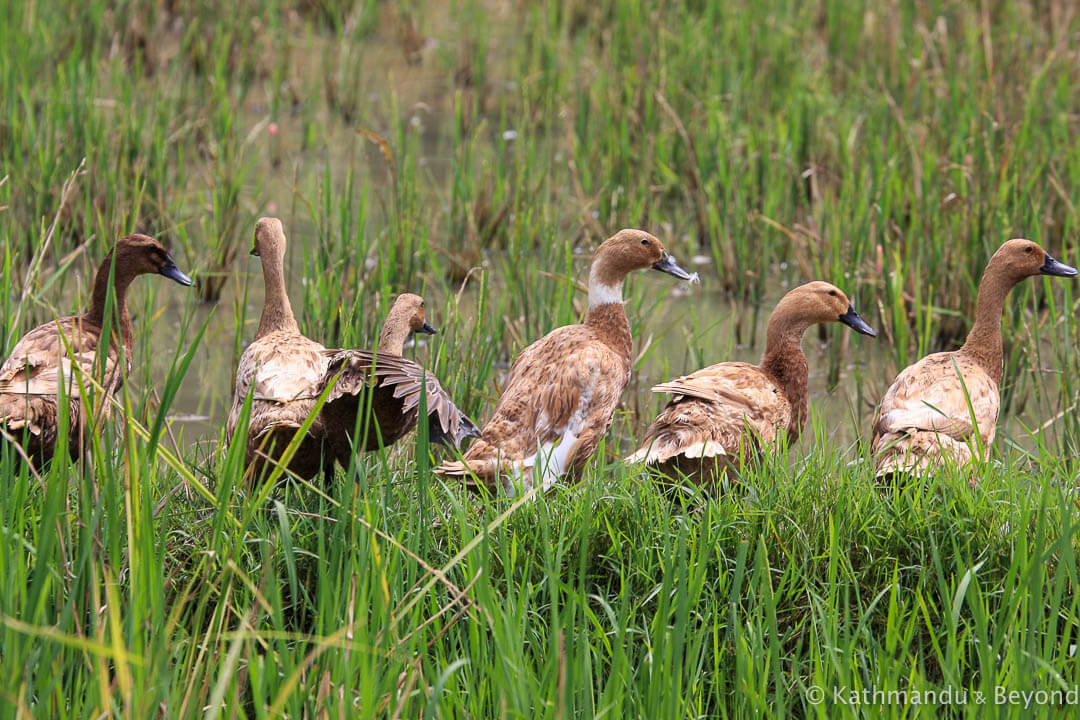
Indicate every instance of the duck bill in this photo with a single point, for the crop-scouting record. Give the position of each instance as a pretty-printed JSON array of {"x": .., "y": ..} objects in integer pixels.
[
  {"x": 174, "y": 273},
  {"x": 427, "y": 329},
  {"x": 1053, "y": 267},
  {"x": 667, "y": 264},
  {"x": 856, "y": 323}
]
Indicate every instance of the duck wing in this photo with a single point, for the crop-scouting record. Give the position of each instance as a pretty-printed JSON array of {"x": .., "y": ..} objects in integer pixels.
[
  {"x": 40, "y": 357},
  {"x": 559, "y": 401},
  {"x": 289, "y": 375},
  {"x": 403, "y": 379},
  {"x": 715, "y": 411},
  {"x": 283, "y": 371},
  {"x": 30, "y": 378},
  {"x": 735, "y": 383},
  {"x": 935, "y": 406}
]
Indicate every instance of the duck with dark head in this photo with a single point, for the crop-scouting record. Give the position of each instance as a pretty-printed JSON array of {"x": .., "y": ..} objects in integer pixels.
[{"x": 42, "y": 364}]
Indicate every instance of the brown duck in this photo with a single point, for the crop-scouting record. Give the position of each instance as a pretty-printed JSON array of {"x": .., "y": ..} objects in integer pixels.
[
  {"x": 563, "y": 389},
  {"x": 286, "y": 373},
  {"x": 925, "y": 416},
  {"x": 732, "y": 409},
  {"x": 44, "y": 358}
]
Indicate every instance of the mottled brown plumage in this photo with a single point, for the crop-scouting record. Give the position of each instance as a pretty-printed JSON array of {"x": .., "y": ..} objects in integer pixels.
[
  {"x": 281, "y": 369},
  {"x": 287, "y": 372},
  {"x": 397, "y": 383},
  {"x": 563, "y": 389},
  {"x": 933, "y": 408},
  {"x": 728, "y": 411},
  {"x": 45, "y": 360}
]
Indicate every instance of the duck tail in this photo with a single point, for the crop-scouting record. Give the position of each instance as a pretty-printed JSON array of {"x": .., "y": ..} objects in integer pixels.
[
  {"x": 916, "y": 452},
  {"x": 665, "y": 446}
]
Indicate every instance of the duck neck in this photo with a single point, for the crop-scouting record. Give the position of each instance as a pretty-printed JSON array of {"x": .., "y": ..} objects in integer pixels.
[
  {"x": 983, "y": 342},
  {"x": 605, "y": 285},
  {"x": 785, "y": 362},
  {"x": 277, "y": 314},
  {"x": 122, "y": 278},
  {"x": 607, "y": 314},
  {"x": 395, "y": 331}
]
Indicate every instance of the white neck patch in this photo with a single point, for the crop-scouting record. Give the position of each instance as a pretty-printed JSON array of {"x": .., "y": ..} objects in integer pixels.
[{"x": 601, "y": 294}]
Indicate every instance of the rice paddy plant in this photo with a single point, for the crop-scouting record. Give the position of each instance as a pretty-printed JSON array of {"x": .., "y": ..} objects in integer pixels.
[{"x": 477, "y": 152}]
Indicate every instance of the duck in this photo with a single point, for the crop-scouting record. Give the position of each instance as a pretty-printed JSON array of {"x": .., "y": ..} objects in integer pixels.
[
  {"x": 395, "y": 384},
  {"x": 281, "y": 368},
  {"x": 732, "y": 410},
  {"x": 944, "y": 408},
  {"x": 42, "y": 363},
  {"x": 286, "y": 373},
  {"x": 561, "y": 395}
]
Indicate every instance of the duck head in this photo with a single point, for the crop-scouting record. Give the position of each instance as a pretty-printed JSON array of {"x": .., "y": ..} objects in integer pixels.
[
  {"x": 132, "y": 256},
  {"x": 406, "y": 316},
  {"x": 620, "y": 255},
  {"x": 412, "y": 307},
  {"x": 1020, "y": 258},
  {"x": 269, "y": 240},
  {"x": 821, "y": 302},
  {"x": 269, "y": 246},
  {"x": 143, "y": 255}
]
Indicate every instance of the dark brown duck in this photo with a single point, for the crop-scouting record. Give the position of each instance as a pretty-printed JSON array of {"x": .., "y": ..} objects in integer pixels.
[
  {"x": 31, "y": 378},
  {"x": 287, "y": 372},
  {"x": 396, "y": 384}
]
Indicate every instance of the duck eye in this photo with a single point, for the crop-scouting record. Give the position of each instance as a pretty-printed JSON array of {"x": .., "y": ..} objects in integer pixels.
[
  {"x": 832, "y": 293},
  {"x": 645, "y": 242},
  {"x": 1028, "y": 249}
]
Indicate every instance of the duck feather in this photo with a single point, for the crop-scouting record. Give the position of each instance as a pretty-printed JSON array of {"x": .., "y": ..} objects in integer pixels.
[
  {"x": 724, "y": 409},
  {"x": 401, "y": 379},
  {"x": 563, "y": 389},
  {"x": 937, "y": 408},
  {"x": 47, "y": 359},
  {"x": 734, "y": 409},
  {"x": 926, "y": 415}
]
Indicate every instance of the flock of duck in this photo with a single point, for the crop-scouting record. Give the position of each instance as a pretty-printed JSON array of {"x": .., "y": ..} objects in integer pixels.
[{"x": 560, "y": 397}]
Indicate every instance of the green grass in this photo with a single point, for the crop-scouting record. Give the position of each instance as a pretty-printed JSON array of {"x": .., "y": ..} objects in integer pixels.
[{"x": 476, "y": 153}]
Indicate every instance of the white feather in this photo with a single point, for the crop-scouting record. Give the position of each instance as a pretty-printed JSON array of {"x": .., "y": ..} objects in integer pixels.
[
  {"x": 601, "y": 294},
  {"x": 704, "y": 449}
]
